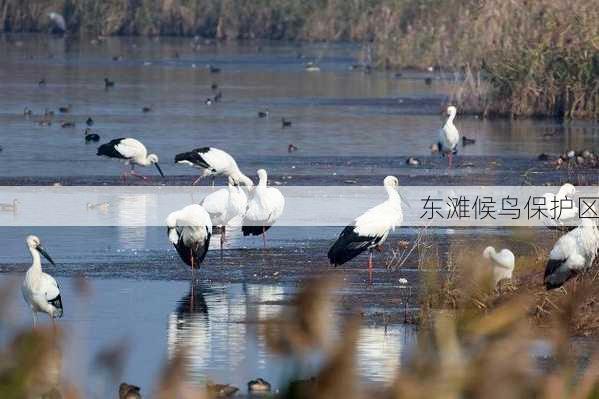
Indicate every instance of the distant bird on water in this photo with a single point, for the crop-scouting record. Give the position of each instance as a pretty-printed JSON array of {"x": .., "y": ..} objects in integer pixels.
[
  {"x": 132, "y": 152},
  {"x": 503, "y": 263},
  {"x": 89, "y": 121},
  {"x": 212, "y": 68},
  {"x": 263, "y": 114},
  {"x": 91, "y": 137},
  {"x": 127, "y": 391},
  {"x": 9, "y": 206},
  {"x": 265, "y": 206},
  {"x": 449, "y": 135},
  {"x": 40, "y": 290},
  {"x": 259, "y": 386},
  {"x": 285, "y": 123},
  {"x": 108, "y": 83},
  {"x": 573, "y": 253},
  {"x": 146, "y": 109},
  {"x": 189, "y": 230},
  {"x": 41, "y": 82},
  {"x": 226, "y": 206},
  {"x": 59, "y": 24},
  {"x": 467, "y": 141},
  {"x": 292, "y": 148},
  {"x": 369, "y": 230},
  {"x": 213, "y": 162},
  {"x": 65, "y": 109}
]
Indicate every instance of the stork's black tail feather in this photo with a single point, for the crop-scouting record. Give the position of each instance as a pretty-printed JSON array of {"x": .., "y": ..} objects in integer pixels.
[
  {"x": 349, "y": 245},
  {"x": 198, "y": 253},
  {"x": 193, "y": 157},
  {"x": 57, "y": 303},
  {"x": 109, "y": 149},
  {"x": 254, "y": 230},
  {"x": 556, "y": 275}
]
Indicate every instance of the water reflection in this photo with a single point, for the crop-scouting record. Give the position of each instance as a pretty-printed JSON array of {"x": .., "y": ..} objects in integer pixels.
[
  {"x": 133, "y": 211},
  {"x": 218, "y": 328}
]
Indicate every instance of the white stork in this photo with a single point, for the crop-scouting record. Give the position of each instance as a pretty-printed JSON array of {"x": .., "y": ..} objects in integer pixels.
[
  {"x": 226, "y": 206},
  {"x": 370, "y": 229},
  {"x": 58, "y": 21},
  {"x": 572, "y": 253},
  {"x": 189, "y": 230},
  {"x": 449, "y": 135},
  {"x": 213, "y": 162},
  {"x": 503, "y": 263},
  {"x": 265, "y": 206},
  {"x": 40, "y": 290},
  {"x": 554, "y": 205},
  {"x": 132, "y": 152}
]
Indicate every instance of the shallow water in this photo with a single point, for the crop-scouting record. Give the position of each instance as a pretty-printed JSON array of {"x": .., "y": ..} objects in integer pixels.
[
  {"x": 338, "y": 115},
  {"x": 218, "y": 325},
  {"x": 347, "y": 125}
]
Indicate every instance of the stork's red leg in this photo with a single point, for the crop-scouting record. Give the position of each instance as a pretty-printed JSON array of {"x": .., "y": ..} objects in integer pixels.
[{"x": 370, "y": 268}]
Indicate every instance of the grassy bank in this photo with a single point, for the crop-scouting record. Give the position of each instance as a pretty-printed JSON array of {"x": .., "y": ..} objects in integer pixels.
[{"x": 522, "y": 58}]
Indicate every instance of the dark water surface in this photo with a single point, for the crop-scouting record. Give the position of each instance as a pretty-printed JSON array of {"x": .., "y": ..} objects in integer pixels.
[{"x": 346, "y": 124}]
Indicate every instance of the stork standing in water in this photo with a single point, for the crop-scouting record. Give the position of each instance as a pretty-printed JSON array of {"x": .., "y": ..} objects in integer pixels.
[
  {"x": 40, "y": 290},
  {"x": 449, "y": 135},
  {"x": 213, "y": 162},
  {"x": 132, "y": 152},
  {"x": 226, "y": 206},
  {"x": 189, "y": 230},
  {"x": 503, "y": 263},
  {"x": 265, "y": 206},
  {"x": 59, "y": 24},
  {"x": 369, "y": 230},
  {"x": 573, "y": 253}
]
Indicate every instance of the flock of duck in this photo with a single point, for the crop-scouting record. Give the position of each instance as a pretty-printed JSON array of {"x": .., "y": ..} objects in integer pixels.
[{"x": 257, "y": 207}]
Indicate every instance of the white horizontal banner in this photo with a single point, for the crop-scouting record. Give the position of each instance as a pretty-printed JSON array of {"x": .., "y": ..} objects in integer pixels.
[{"x": 304, "y": 205}]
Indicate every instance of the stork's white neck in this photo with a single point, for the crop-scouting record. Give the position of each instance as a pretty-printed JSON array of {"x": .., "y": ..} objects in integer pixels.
[
  {"x": 393, "y": 194},
  {"x": 37, "y": 262},
  {"x": 143, "y": 161},
  {"x": 450, "y": 119},
  {"x": 262, "y": 180}
]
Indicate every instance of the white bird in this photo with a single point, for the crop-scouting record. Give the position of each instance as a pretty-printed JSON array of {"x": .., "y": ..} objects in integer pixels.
[
  {"x": 572, "y": 253},
  {"x": 58, "y": 20},
  {"x": 265, "y": 206},
  {"x": 40, "y": 290},
  {"x": 503, "y": 263},
  {"x": 226, "y": 206},
  {"x": 560, "y": 207},
  {"x": 132, "y": 152},
  {"x": 189, "y": 230},
  {"x": 449, "y": 135},
  {"x": 213, "y": 162},
  {"x": 370, "y": 229}
]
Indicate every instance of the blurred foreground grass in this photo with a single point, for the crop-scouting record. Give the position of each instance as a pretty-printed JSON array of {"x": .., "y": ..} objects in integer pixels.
[{"x": 474, "y": 342}]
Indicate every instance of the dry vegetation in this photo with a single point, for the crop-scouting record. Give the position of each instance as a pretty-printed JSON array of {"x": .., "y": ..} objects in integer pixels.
[
  {"x": 479, "y": 349},
  {"x": 468, "y": 289}
]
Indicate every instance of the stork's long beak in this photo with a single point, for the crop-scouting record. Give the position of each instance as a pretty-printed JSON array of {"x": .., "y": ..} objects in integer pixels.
[
  {"x": 159, "y": 170},
  {"x": 42, "y": 251},
  {"x": 403, "y": 199}
]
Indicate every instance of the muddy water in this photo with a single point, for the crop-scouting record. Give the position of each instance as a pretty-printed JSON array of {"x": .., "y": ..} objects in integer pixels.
[{"x": 346, "y": 124}]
